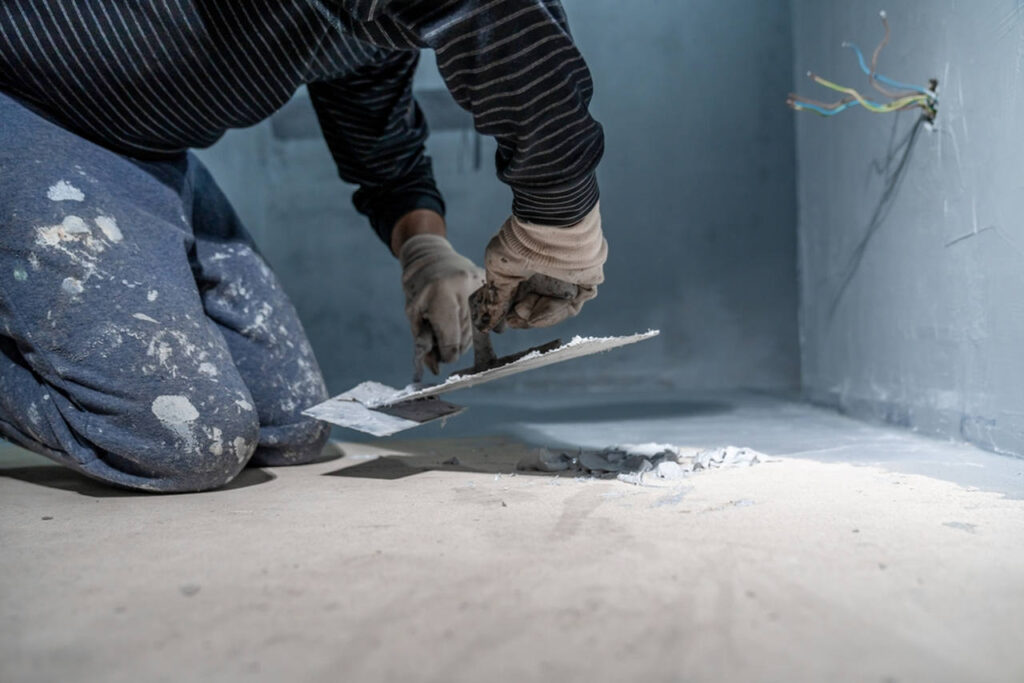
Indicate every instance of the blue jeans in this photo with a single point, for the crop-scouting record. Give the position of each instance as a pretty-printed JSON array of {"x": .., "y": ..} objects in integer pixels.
[{"x": 143, "y": 340}]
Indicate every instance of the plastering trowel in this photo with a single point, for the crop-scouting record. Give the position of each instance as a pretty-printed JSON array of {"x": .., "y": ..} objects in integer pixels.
[{"x": 382, "y": 410}]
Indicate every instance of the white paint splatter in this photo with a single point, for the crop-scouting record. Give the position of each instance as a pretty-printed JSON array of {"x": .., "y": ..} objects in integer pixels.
[
  {"x": 260, "y": 322},
  {"x": 217, "y": 447},
  {"x": 33, "y": 260},
  {"x": 176, "y": 413},
  {"x": 241, "y": 448},
  {"x": 177, "y": 410},
  {"x": 73, "y": 238},
  {"x": 63, "y": 191},
  {"x": 161, "y": 350},
  {"x": 143, "y": 316},
  {"x": 19, "y": 274},
  {"x": 53, "y": 235},
  {"x": 208, "y": 369},
  {"x": 167, "y": 347},
  {"x": 244, "y": 405},
  {"x": 72, "y": 286},
  {"x": 152, "y": 294},
  {"x": 109, "y": 227}
]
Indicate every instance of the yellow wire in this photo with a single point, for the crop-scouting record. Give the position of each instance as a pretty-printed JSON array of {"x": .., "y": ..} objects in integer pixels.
[{"x": 884, "y": 109}]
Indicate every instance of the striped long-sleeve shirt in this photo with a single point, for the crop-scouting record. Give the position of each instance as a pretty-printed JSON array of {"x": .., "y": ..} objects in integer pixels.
[{"x": 150, "y": 78}]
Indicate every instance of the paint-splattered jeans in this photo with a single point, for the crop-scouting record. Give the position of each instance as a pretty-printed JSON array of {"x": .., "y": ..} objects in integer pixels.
[{"x": 143, "y": 339}]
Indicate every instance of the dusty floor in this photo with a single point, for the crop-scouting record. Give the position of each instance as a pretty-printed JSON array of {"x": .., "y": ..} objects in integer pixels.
[{"x": 863, "y": 554}]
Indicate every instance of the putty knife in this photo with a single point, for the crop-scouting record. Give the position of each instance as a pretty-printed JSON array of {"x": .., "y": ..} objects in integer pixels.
[{"x": 381, "y": 410}]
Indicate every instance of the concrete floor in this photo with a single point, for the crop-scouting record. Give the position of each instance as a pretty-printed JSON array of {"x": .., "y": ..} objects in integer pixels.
[{"x": 861, "y": 554}]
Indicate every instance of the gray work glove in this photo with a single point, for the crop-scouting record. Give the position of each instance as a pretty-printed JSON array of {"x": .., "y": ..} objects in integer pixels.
[
  {"x": 437, "y": 283},
  {"x": 520, "y": 252}
]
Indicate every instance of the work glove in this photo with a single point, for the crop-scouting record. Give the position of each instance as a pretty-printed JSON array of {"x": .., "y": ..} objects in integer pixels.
[
  {"x": 437, "y": 281},
  {"x": 524, "y": 260}
]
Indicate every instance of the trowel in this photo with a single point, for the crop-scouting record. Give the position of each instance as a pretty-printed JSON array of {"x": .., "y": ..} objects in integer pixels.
[{"x": 381, "y": 410}]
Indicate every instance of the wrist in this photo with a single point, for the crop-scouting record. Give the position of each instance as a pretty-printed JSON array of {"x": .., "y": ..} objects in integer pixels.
[
  {"x": 579, "y": 244},
  {"x": 416, "y": 222}
]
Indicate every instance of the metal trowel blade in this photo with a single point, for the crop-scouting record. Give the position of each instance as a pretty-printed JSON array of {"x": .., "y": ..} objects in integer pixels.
[
  {"x": 358, "y": 409},
  {"x": 381, "y": 410}
]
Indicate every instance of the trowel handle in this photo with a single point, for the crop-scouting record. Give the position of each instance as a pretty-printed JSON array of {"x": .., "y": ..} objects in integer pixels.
[
  {"x": 543, "y": 285},
  {"x": 546, "y": 285},
  {"x": 478, "y": 313}
]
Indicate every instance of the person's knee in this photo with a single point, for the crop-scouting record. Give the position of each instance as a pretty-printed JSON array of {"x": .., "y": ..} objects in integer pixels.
[
  {"x": 194, "y": 444},
  {"x": 212, "y": 447}
]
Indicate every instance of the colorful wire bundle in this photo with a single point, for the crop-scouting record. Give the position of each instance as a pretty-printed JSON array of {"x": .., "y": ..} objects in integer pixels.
[{"x": 904, "y": 97}]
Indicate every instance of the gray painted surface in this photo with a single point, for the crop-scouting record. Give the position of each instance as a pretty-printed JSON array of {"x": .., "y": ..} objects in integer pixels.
[
  {"x": 698, "y": 199},
  {"x": 912, "y": 245}
]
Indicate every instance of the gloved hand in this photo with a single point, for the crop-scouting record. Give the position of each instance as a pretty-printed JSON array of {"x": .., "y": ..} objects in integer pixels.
[
  {"x": 521, "y": 250},
  {"x": 437, "y": 283}
]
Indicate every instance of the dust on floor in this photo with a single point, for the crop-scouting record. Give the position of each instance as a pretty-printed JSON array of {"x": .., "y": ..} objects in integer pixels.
[{"x": 389, "y": 564}]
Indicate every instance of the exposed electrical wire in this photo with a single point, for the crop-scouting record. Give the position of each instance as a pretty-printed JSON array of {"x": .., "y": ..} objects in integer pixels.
[{"x": 908, "y": 97}]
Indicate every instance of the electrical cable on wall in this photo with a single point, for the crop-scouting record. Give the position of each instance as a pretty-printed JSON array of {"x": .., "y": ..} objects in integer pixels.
[{"x": 901, "y": 96}]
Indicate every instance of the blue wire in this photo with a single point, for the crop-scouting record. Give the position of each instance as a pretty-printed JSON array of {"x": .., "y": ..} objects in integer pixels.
[
  {"x": 883, "y": 79},
  {"x": 844, "y": 107},
  {"x": 827, "y": 112}
]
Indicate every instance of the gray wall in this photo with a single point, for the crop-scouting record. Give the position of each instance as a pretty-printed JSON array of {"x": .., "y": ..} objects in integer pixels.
[
  {"x": 912, "y": 243},
  {"x": 698, "y": 202}
]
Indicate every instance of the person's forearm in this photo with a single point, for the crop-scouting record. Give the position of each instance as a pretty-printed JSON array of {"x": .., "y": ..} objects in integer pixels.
[
  {"x": 513, "y": 65},
  {"x": 416, "y": 222},
  {"x": 392, "y": 170}
]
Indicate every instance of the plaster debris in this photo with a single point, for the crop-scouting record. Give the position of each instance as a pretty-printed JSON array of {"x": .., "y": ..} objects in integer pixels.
[
  {"x": 63, "y": 191},
  {"x": 730, "y": 456},
  {"x": 640, "y": 464}
]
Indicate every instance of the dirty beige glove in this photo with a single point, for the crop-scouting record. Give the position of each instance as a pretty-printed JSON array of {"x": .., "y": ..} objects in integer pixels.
[
  {"x": 520, "y": 251},
  {"x": 437, "y": 283}
]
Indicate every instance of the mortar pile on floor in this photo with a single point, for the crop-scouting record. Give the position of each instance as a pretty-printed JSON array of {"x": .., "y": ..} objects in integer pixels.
[{"x": 640, "y": 464}]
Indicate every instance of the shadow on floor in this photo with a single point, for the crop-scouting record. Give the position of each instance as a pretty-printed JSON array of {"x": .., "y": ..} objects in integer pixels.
[
  {"x": 462, "y": 447},
  {"x": 490, "y": 455},
  {"x": 388, "y": 467},
  {"x": 602, "y": 412},
  {"x": 486, "y": 419},
  {"x": 64, "y": 479}
]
